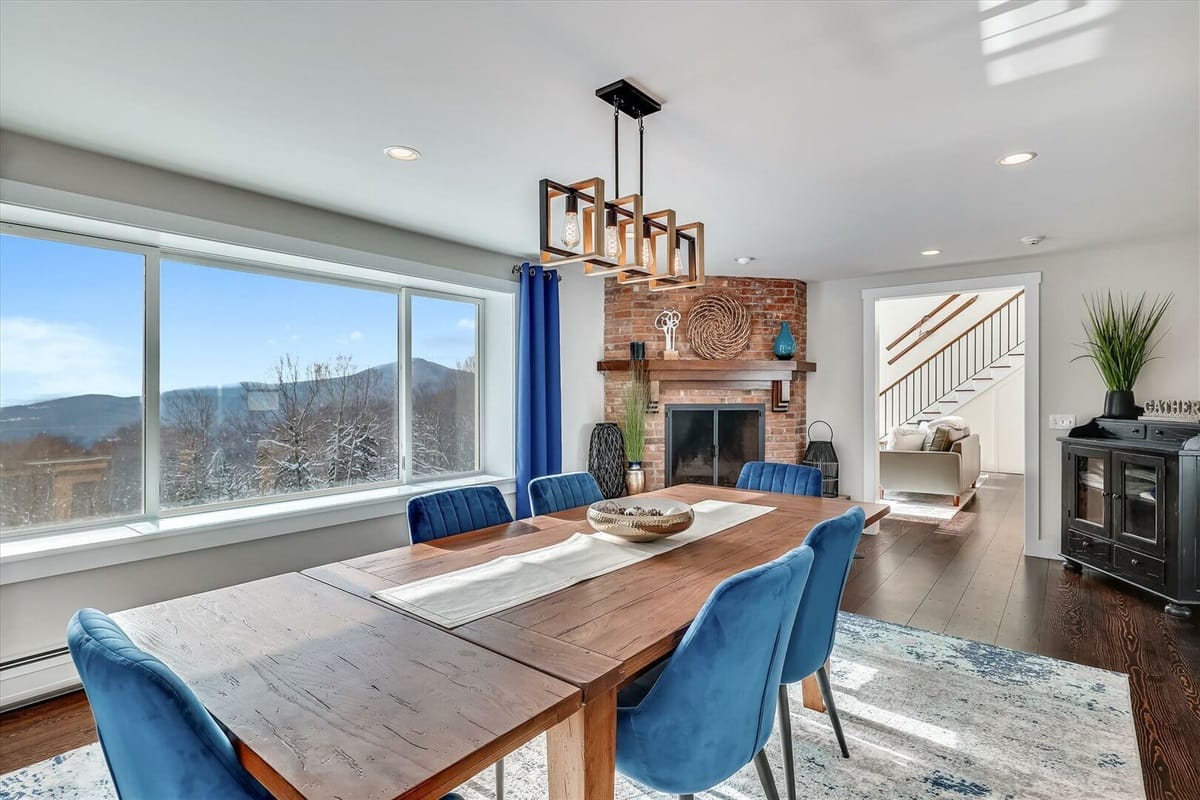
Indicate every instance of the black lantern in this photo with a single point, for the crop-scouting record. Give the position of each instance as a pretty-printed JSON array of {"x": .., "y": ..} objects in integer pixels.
[{"x": 820, "y": 454}]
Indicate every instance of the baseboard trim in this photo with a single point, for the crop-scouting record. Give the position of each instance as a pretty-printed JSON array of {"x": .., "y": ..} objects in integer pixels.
[{"x": 28, "y": 680}]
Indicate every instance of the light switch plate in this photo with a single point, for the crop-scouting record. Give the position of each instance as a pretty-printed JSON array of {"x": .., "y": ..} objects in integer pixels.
[{"x": 1062, "y": 422}]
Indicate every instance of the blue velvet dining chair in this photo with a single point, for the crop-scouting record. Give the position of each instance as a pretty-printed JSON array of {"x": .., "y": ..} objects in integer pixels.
[
  {"x": 833, "y": 542},
  {"x": 553, "y": 493},
  {"x": 157, "y": 738},
  {"x": 767, "y": 476},
  {"x": 708, "y": 710},
  {"x": 454, "y": 511}
]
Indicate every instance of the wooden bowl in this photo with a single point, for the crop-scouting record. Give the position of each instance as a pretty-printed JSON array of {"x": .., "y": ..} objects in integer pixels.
[{"x": 676, "y": 517}]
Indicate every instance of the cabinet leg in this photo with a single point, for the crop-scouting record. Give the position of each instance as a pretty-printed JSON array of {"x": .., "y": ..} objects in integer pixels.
[
  {"x": 1071, "y": 566},
  {"x": 1178, "y": 610}
]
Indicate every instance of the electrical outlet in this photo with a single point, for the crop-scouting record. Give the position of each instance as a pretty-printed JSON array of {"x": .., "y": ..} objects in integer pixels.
[{"x": 1062, "y": 422}]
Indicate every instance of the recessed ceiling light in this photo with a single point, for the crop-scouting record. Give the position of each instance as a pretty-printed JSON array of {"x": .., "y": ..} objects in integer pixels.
[
  {"x": 402, "y": 153},
  {"x": 744, "y": 260},
  {"x": 1013, "y": 159},
  {"x": 931, "y": 252}
]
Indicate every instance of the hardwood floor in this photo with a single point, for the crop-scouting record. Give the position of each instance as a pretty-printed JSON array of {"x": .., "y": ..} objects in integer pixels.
[
  {"x": 980, "y": 586},
  {"x": 975, "y": 584}
]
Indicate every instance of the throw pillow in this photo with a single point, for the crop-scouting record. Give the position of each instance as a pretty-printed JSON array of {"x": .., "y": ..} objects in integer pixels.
[
  {"x": 941, "y": 440},
  {"x": 908, "y": 439},
  {"x": 948, "y": 422}
]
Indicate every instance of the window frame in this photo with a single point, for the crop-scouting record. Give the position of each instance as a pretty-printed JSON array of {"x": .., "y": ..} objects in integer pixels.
[
  {"x": 153, "y": 256},
  {"x": 406, "y": 354},
  {"x": 149, "y": 350}
]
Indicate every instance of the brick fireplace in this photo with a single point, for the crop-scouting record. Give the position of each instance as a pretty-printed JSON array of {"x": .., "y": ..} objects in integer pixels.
[{"x": 629, "y": 313}]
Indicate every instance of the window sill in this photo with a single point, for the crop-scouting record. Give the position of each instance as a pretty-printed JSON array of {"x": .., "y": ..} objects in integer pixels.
[{"x": 41, "y": 556}]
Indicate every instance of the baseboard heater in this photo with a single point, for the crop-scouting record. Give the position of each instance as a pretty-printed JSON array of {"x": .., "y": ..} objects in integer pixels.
[{"x": 36, "y": 677}]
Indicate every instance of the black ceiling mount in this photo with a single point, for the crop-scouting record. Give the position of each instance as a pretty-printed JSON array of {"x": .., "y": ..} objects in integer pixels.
[{"x": 629, "y": 98}]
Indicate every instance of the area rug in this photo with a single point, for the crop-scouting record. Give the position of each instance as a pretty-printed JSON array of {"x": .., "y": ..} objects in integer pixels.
[
  {"x": 925, "y": 715},
  {"x": 939, "y": 508}
]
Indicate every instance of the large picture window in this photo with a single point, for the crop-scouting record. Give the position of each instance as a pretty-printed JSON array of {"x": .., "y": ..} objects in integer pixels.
[
  {"x": 265, "y": 384},
  {"x": 273, "y": 385},
  {"x": 71, "y": 354}
]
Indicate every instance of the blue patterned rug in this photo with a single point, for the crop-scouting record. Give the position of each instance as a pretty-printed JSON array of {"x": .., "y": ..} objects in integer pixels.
[{"x": 926, "y": 716}]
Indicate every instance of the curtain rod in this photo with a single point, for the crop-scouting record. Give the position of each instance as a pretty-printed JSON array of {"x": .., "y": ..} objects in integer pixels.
[{"x": 516, "y": 270}]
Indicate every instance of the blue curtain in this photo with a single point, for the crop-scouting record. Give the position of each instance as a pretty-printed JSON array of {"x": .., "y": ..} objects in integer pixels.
[{"x": 539, "y": 390}]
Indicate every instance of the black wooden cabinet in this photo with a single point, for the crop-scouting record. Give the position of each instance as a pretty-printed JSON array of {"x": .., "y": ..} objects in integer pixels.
[{"x": 1130, "y": 505}]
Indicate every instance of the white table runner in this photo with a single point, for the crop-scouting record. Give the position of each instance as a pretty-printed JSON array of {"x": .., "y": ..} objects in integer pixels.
[{"x": 457, "y": 598}]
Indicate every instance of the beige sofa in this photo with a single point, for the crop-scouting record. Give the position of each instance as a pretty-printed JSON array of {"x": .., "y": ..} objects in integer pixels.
[{"x": 951, "y": 472}]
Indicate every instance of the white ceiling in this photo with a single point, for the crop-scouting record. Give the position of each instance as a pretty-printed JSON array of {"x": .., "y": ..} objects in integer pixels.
[{"x": 827, "y": 139}]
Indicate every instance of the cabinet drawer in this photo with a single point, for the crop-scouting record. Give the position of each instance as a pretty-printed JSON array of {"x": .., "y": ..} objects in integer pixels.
[
  {"x": 1167, "y": 435},
  {"x": 1149, "y": 572},
  {"x": 1124, "y": 430},
  {"x": 1089, "y": 548}
]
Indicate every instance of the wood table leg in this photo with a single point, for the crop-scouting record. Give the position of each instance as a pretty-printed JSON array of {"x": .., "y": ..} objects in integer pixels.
[
  {"x": 581, "y": 752},
  {"x": 811, "y": 692}
]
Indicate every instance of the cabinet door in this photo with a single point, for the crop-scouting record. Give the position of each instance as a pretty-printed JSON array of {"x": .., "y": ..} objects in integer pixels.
[
  {"x": 1087, "y": 489},
  {"x": 1139, "y": 486}
]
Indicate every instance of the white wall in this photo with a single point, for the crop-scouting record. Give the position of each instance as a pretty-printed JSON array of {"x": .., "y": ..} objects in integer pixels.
[
  {"x": 1169, "y": 264},
  {"x": 581, "y": 309},
  {"x": 33, "y": 614},
  {"x": 997, "y": 414},
  {"x": 42, "y": 163}
]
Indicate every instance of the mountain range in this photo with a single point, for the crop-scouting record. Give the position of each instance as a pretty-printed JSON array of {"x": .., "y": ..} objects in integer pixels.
[{"x": 88, "y": 418}]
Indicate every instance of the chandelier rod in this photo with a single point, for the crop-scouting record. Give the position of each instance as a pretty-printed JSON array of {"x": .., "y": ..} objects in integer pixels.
[
  {"x": 616, "y": 148},
  {"x": 641, "y": 157}
]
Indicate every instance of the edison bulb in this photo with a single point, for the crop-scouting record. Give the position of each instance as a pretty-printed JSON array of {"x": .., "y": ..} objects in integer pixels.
[
  {"x": 647, "y": 253},
  {"x": 678, "y": 263},
  {"x": 612, "y": 241},
  {"x": 570, "y": 231}
]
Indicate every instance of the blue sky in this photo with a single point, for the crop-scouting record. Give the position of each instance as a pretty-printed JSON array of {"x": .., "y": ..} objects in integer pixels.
[{"x": 71, "y": 323}]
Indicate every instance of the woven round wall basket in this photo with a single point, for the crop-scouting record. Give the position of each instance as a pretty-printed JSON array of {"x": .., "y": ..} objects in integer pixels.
[{"x": 718, "y": 326}]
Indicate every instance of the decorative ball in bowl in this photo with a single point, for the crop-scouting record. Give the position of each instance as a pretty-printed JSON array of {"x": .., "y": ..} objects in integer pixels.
[{"x": 641, "y": 519}]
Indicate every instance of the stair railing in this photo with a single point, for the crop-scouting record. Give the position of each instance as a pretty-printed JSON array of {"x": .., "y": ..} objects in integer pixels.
[{"x": 963, "y": 359}]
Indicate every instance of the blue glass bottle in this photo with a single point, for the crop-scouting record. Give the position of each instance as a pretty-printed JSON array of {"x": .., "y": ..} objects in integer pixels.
[{"x": 785, "y": 344}]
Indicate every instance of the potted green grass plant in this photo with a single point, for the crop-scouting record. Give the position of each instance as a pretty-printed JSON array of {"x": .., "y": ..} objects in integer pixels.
[
  {"x": 1120, "y": 342},
  {"x": 633, "y": 426}
]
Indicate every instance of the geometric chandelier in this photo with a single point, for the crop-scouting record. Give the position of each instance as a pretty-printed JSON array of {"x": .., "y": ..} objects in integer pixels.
[{"x": 617, "y": 237}]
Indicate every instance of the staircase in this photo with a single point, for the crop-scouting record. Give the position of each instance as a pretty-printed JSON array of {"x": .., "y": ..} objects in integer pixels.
[{"x": 971, "y": 363}]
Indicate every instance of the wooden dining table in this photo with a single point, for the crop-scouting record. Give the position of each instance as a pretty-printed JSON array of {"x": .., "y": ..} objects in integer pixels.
[
  {"x": 599, "y": 634},
  {"x": 328, "y": 692}
]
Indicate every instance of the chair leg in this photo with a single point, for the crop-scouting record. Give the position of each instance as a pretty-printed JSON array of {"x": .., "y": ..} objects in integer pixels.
[
  {"x": 827, "y": 693},
  {"x": 500, "y": 779},
  {"x": 785, "y": 734},
  {"x": 765, "y": 776}
]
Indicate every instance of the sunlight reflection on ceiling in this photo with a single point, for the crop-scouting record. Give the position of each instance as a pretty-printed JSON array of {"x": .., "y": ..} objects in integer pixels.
[{"x": 1020, "y": 40}]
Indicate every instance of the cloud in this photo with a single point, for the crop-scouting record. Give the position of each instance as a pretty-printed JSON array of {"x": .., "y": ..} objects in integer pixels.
[
  {"x": 466, "y": 324},
  {"x": 355, "y": 335},
  {"x": 43, "y": 358}
]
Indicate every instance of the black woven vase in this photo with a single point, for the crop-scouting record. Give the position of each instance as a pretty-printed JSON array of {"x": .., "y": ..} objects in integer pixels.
[{"x": 606, "y": 459}]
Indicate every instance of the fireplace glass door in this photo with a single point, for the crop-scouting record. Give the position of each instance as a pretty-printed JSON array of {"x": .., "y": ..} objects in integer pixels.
[{"x": 710, "y": 444}]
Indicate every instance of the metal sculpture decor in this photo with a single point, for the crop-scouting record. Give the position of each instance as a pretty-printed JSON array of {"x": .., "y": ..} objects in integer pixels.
[
  {"x": 616, "y": 237},
  {"x": 606, "y": 459},
  {"x": 718, "y": 326},
  {"x": 668, "y": 323}
]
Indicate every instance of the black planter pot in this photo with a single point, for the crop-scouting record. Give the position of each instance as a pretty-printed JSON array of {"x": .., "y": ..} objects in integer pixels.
[{"x": 1119, "y": 405}]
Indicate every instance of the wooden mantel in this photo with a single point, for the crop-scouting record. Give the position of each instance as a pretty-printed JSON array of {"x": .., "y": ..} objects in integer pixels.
[{"x": 700, "y": 373}]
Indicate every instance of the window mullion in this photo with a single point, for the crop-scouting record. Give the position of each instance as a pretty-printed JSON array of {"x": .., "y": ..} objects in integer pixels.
[
  {"x": 150, "y": 391},
  {"x": 403, "y": 381}
]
